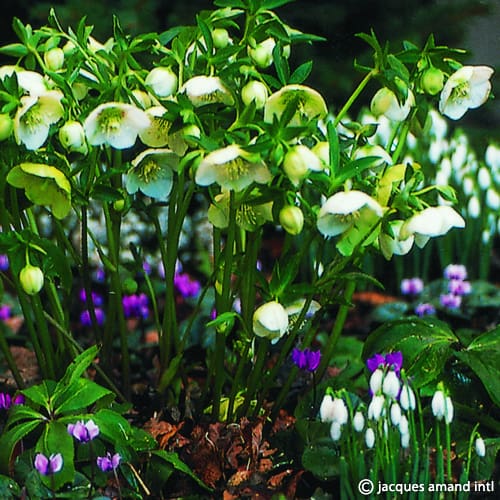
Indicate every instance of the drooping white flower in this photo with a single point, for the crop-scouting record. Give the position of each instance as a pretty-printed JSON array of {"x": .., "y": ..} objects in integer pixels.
[
  {"x": 358, "y": 422},
  {"x": 376, "y": 407},
  {"x": 392, "y": 244},
  {"x": 480, "y": 447},
  {"x": 232, "y": 168},
  {"x": 442, "y": 406},
  {"x": 376, "y": 380},
  {"x": 385, "y": 102},
  {"x": 298, "y": 162},
  {"x": 342, "y": 209},
  {"x": 369, "y": 437},
  {"x": 333, "y": 410},
  {"x": 403, "y": 425},
  {"x": 484, "y": 178},
  {"x": 493, "y": 199},
  {"x": 335, "y": 431},
  {"x": 474, "y": 207},
  {"x": 395, "y": 414},
  {"x": 152, "y": 173},
  {"x": 407, "y": 398},
  {"x": 155, "y": 135},
  {"x": 31, "y": 82},
  {"x": 162, "y": 81},
  {"x": 467, "y": 88},
  {"x": 405, "y": 440},
  {"x": 270, "y": 320},
  {"x": 431, "y": 222},
  {"x": 391, "y": 385},
  {"x": 116, "y": 124},
  {"x": 34, "y": 118},
  {"x": 201, "y": 90}
]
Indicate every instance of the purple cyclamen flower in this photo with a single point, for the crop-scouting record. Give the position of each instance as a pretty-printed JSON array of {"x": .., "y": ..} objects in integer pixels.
[
  {"x": 306, "y": 359},
  {"x": 86, "y": 319},
  {"x": 136, "y": 305},
  {"x": 455, "y": 272},
  {"x": 186, "y": 286},
  {"x": 4, "y": 262},
  {"x": 97, "y": 299},
  {"x": 83, "y": 432},
  {"x": 6, "y": 400},
  {"x": 100, "y": 275},
  {"x": 5, "y": 312},
  {"x": 459, "y": 287},
  {"x": 425, "y": 309},
  {"x": 109, "y": 462},
  {"x": 48, "y": 466},
  {"x": 412, "y": 286},
  {"x": 450, "y": 301},
  {"x": 393, "y": 360}
]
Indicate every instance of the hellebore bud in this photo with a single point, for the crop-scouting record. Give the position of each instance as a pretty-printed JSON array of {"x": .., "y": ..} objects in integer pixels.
[
  {"x": 220, "y": 36},
  {"x": 6, "y": 126},
  {"x": 72, "y": 137},
  {"x": 31, "y": 278},
  {"x": 162, "y": 81},
  {"x": 254, "y": 91},
  {"x": 432, "y": 81},
  {"x": 54, "y": 59},
  {"x": 262, "y": 54},
  {"x": 299, "y": 160},
  {"x": 292, "y": 219}
]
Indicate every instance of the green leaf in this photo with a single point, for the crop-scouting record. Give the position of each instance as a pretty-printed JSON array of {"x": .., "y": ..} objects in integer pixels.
[
  {"x": 273, "y": 4},
  {"x": 207, "y": 35},
  {"x": 78, "y": 366},
  {"x": 14, "y": 50},
  {"x": 78, "y": 396},
  {"x": 9, "y": 439},
  {"x": 281, "y": 64},
  {"x": 112, "y": 425},
  {"x": 173, "y": 459},
  {"x": 24, "y": 412},
  {"x": 322, "y": 461},
  {"x": 301, "y": 73},
  {"x": 40, "y": 394},
  {"x": 9, "y": 488},
  {"x": 425, "y": 344}
]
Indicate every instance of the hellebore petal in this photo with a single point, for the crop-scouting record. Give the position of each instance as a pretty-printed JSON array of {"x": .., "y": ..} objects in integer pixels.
[
  {"x": 340, "y": 211},
  {"x": 116, "y": 124},
  {"x": 156, "y": 134},
  {"x": 152, "y": 173},
  {"x": 431, "y": 222},
  {"x": 467, "y": 88},
  {"x": 308, "y": 103},
  {"x": 232, "y": 168},
  {"x": 270, "y": 320}
]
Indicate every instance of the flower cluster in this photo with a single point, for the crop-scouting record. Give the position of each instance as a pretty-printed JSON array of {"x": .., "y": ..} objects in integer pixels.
[
  {"x": 136, "y": 306},
  {"x": 306, "y": 359},
  {"x": 456, "y": 274},
  {"x": 97, "y": 301}
]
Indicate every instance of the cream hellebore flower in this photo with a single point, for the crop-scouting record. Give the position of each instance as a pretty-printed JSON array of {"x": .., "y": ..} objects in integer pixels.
[
  {"x": 467, "y": 88},
  {"x": 342, "y": 209},
  {"x": 385, "y": 102},
  {"x": 116, "y": 124},
  {"x": 232, "y": 168},
  {"x": 152, "y": 173},
  {"x": 308, "y": 103},
  {"x": 201, "y": 90},
  {"x": 298, "y": 162},
  {"x": 162, "y": 81},
  {"x": 31, "y": 82},
  {"x": 156, "y": 134},
  {"x": 431, "y": 222},
  {"x": 270, "y": 321},
  {"x": 34, "y": 118},
  {"x": 392, "y": 244}
]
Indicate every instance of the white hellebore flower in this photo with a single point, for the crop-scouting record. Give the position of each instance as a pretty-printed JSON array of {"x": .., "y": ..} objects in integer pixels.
[
  {"x": 31, "y": 82},
  {"x": 232, "y": 168},
  {"x": 467, "y": 88},
  {"x": 270, "y": 320},
  {"x": 392, "y": 244},
  {"x": 162, "y": 81},
  {"x": 201, "y": 90},
  {"x": 34, "y": 118},
  {"x": 341, "y": 210},
  {"x": 156, "y": 134},
  {"x": 116, "y": 124},
  {"x": 385, "y": 102},
  {"x": 431, "y": 222},
  {"x": 480, "y": 447}
]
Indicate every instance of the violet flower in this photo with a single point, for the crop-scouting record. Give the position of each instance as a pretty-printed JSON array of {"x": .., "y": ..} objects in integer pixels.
[
  {"x": 450, "y": 301},
  {"x": 425, "y": 309},
  {"x": 4, "y": 262},
  {"x": 109, "y": 462},
  {"x": 86, "y": 318},
  {"x": 459, "y": 287},
  {"x": 412, "y": 286},
  {"x": 393, "y": 360},
  {"x": 306, "y": 359},
  {"x": 83, "y": 432},
  {"x": 97, "y": 299},
  {"x": 6, "y": 400},
  {"x": 48, "y": 466},
  {"x": 5, "y": 312},
  {"x": 186, "y": 286},
  {"x": 136, "y": 305},
  {"x": 455, "y": 272}
]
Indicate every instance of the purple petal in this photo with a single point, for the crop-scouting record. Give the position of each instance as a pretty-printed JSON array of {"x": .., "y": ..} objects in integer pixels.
[
  {"x": 395, "y": 360},
  {"x": 314, "y": 358},
  {"x": 375, "y": 361},
  {"x": 56, "y": 463},
  {"x": 41, "y": 464}
]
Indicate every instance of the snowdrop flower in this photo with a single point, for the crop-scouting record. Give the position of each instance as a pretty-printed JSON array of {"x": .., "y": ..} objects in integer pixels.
[
  {"x": 232, "y": 168},
  {"x": 35, "y": 116},
  {"x": 309, "y": 104},
  {"x": 442, "y": 406},
  {"x": 270, "y": 320},
  {"x": 467, "y": 88},
  {"x": 335, "y": 431},
  {"x": 407, "y": 398},
  {"x": 395, "y": 414},
  {"x": 152, "y": 173},
  {"x": 468, "y": 186},
  {"x": 376, "y": 407},
  {"x": 474, "y": 207},
  {"x": 492, "y": 156},
  {"x": 341, "y": 210},
  {"x": 385, "y": 102},
  {"x": 116, "y": 124},
  {"x": 201, "y": 90},
  {"x": 369, "y": 437},
  {"x": 47, "y": 466},
  {"x": 376, "y": 381},
  {"x": 483, "y": 178},
  {"x": 333, "y": 410},
  {"x": 405, "y": 440},
  {"x": 431, "y": 222},
  {"x": 492, "y": 199},
  {"x": 403, "y": 425},
  {"x": 358, "y": 422},
  {"x": 391, "y": 385},
  {"x": 480, "y": 447}
]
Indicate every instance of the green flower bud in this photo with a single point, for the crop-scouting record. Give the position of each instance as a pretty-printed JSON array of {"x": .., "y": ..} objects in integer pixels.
[
  {"x": 190, "y": 131},
  {"x": 31, "y": 279},
  {"x": 6, "y": 126},
  {"x": 119, "y": 205},
  {"x": 262, "y": 53},
  {"x": 54, "y": 59},
  {"x": 72, "y": 137},
  {"x": 432, "y": 81},
  {"x": 129, "y": 286},
  {"x": 291, "y": 219},
  {"x": 220, "y": 36},
  {"x": 254, "y": 91},
  {"x": 162, "y": 81}
]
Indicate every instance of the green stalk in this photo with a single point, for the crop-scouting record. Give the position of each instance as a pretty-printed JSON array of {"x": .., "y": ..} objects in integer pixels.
[
  {"x": 353, "y": 97},
  {"x": 448, "y": 454},
  {"x": 439, "y": 456},
  {"x": 336, "y": 330},
  {"x": 4, "y": 347}
]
